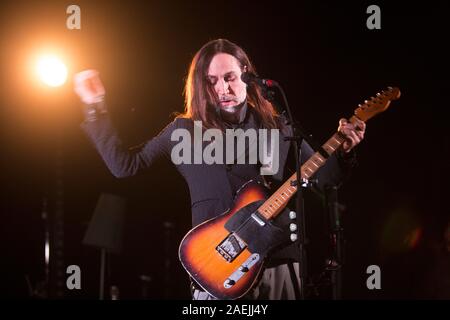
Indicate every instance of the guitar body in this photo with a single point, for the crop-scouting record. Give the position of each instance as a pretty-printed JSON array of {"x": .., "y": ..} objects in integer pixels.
[{"x": 211, "y": 267}]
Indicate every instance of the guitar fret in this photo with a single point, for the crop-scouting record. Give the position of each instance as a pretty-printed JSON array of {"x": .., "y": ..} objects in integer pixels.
[
  {"x": 336, "y": 140},
  {"x": 334, "y": 145}
]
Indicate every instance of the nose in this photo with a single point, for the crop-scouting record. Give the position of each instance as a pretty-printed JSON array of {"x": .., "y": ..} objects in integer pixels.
[{"x": 222, "y": 87}]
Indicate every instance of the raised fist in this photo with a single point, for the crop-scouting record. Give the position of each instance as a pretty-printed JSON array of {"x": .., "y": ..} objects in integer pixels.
[{"x": 89, "y": 87}]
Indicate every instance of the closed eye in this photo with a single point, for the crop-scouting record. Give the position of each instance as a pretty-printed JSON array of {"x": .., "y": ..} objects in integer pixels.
[
  {"x": 230, "y": 78},
  {"x": 211, "y": 79}
]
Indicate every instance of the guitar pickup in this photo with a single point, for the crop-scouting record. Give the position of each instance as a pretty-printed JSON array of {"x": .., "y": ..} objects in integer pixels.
[{"x": 231, "y": 247}]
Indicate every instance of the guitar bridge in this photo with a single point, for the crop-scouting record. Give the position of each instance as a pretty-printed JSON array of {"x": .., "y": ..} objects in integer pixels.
[{"x": 231, "y": 247}]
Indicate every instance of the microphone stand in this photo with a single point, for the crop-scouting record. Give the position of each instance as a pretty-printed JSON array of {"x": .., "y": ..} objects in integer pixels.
[
  {"x": 336, "y": 261},
  {"x": 298, "y": 137}
]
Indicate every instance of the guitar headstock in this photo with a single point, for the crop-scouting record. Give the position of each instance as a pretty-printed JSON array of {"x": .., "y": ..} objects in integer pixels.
[{"x": 377, "y": 104}]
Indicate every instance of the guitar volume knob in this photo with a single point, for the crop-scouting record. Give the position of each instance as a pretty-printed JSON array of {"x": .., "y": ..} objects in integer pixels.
[
  {"x": 229, "y": 283},
  {"x": 243, "y": 269}
]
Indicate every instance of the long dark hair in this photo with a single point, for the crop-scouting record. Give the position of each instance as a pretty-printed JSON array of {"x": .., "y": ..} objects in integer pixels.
[{"x": 200, "y": 97}]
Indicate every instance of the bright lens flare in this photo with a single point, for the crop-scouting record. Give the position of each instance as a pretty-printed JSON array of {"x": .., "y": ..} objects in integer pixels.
[{"x": 51, "y": 71}]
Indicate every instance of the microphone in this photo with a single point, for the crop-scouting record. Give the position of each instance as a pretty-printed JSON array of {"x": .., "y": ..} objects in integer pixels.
[{"x": 265, "y": 83}]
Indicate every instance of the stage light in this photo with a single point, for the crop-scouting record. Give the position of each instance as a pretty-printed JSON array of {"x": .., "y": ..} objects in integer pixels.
[
  {"x": 51, "y": 70},
  {"x": 47, "y": 253}
]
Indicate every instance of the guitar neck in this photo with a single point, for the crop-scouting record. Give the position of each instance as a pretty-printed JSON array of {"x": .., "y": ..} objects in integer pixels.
[{"x": 276, "y": 203}]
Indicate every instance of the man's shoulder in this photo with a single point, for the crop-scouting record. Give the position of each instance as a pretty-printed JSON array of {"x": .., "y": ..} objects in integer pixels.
[
  {"x": 183, "y": 123},
  {"x": 179, "y": 123}
]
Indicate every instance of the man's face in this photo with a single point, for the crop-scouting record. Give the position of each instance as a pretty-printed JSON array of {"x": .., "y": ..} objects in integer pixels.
[{"x": 224, "y": 74}]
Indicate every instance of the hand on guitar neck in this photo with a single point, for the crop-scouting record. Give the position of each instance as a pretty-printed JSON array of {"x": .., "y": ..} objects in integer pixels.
[{"x": 352, "y": 132}]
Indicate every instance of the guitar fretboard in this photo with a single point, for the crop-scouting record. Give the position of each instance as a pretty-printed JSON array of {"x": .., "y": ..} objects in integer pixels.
[{"x": 276, "y": 203}]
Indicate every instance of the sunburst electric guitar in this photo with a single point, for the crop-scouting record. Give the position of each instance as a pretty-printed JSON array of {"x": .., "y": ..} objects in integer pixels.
[{"x": 225, "y": 255}]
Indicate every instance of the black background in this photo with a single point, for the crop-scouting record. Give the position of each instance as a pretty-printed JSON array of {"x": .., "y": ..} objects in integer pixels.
[{"x": 327, "y": 61}]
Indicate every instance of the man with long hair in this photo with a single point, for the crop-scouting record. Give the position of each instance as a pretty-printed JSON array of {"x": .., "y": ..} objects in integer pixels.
[{"x": 217, "y": 98}]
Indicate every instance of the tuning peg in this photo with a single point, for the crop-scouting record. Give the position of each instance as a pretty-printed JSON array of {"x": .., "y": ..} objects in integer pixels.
[
  {"x": 294, "y": 237},
  {"x": 293, "y": 227}
]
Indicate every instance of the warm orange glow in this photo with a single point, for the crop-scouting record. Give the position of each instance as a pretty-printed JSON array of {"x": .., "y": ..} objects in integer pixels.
[
  {"x": 51, "y": 70},
  {"x": 413, "y": 238}
]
